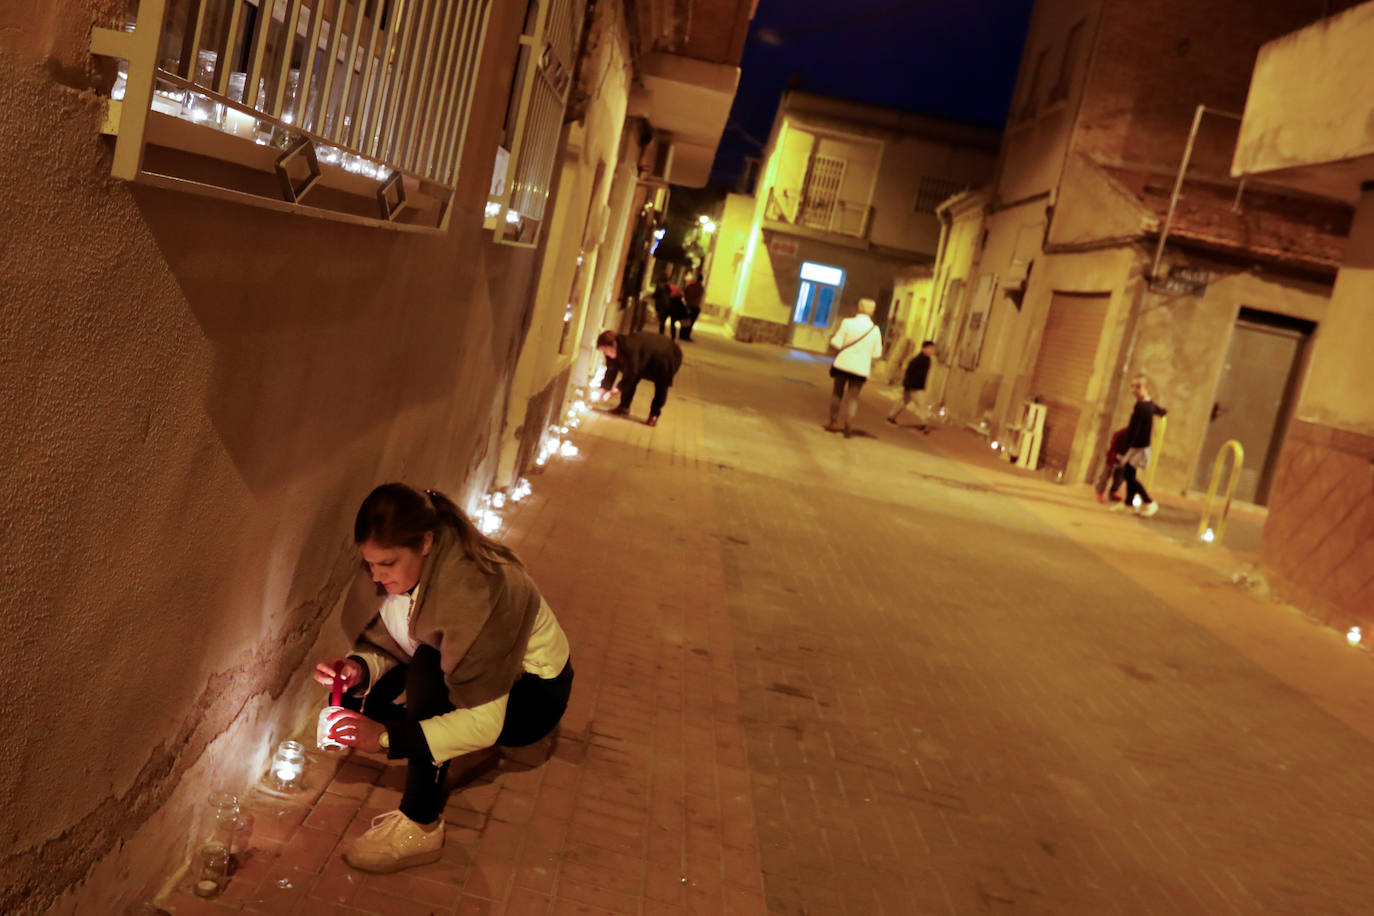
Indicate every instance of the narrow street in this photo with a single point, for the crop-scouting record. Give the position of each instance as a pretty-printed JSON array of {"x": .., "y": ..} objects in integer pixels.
[{"x": 824, "y": 676}]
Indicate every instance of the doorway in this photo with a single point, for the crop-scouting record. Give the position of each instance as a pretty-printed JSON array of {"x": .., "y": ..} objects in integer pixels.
[
  {"x": 1254, "y": 397},
  {"x": 1064, "y": 368},
  {"x": 818, "y": 299}
]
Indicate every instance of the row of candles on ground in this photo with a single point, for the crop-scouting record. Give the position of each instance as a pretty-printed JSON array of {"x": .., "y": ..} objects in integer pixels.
[
  {"x": 555, "y": 443},
  {"x": 229, "y": 828}
]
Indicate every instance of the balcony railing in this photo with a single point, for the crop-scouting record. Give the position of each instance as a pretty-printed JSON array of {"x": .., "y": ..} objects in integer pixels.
[
  {"x": 366, "y": 98},
  {"x": 841, "y": 217}
]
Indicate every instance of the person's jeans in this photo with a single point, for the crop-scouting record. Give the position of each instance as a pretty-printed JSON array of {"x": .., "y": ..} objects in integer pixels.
[
  {"x": 915, "y": 399},
  {"x": 426, "y": 696},
  {"x": 627, "y": 396},
  {"x": 844, "y": 400},
  {"x": 1134, "y": 486}
]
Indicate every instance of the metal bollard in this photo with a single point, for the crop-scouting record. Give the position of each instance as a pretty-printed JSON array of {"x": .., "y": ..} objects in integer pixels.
[{"x": 1204, "y": 529}]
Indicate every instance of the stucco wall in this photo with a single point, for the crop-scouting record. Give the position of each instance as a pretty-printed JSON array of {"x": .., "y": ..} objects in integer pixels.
[
  {"x": 575, "y": 239},
  {"x": 1309, "y": 99},
  {"x": 732, "y": 237},
  {"x": 198, "y": 396},
  {"x": 1181, "y": 344},
  {"x": 774, "y": 280}
]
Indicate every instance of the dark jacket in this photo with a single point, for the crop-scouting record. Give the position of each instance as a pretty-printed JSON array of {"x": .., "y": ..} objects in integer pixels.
[
  {"x": 916, "y": 372},
  {"x": 1142, "y": 424},
  {"x": 692, "y": 294},
  {"x": 644, "y": 355}
]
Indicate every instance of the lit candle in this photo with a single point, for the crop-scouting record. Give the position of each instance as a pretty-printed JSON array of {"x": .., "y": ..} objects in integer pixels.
[{"x": 288, "y": 765}]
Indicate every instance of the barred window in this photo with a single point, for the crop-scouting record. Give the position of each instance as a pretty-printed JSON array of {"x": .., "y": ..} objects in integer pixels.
[
  {"x": 353, "y": 109},
  {"x": 934, "y": 191},
  {"x": 534, "y": 120}
]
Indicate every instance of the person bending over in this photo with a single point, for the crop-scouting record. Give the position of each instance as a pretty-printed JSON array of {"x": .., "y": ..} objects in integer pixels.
[
  {"x": 454, "y": 652},
  {"x": 639, "y": 356}
]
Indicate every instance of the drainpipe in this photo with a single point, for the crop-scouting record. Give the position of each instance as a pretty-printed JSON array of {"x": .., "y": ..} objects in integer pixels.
[{"x": 1178, "y": 182}]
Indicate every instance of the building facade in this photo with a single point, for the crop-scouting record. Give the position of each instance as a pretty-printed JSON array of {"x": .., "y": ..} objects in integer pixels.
[
  {"x": 1074, "y": 292},
  {"x": 257, "y": 262},
  {"x": 845, "y": 200},
  {"x": 1307, "y": 126}
]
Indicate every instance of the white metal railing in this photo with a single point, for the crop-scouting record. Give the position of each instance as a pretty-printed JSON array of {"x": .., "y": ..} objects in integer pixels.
[
  {"x": 377, "y": 89},
  {"x": 516, "y": 207},
  {"x": 841, "y": 217}
]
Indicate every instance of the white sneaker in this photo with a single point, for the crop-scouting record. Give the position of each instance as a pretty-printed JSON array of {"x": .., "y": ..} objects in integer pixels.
[
  {"x": 1117, "y": 507},
  {"x": 394, "y": 842},
  {"x": 1147, "y": 510}
]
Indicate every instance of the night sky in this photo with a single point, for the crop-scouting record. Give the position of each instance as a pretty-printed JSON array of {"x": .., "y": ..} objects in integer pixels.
[{"x": 951, "y": 59}]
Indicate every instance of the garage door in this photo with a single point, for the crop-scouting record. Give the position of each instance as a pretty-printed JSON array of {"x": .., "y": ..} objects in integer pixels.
[{"x": 1064, "y": 367}]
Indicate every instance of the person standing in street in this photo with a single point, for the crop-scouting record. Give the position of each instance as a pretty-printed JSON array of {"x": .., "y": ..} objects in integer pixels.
[
  {"x": 914, "y": 388},
  {"x": 859, "y": 342},
  {"x": 663, "y": 308},
  {"x": 692, "y": 294},
  {"x": 639, "y": 356},
  {"x": 1136, "y": 457},
  {"x": 1112, "y": 476}
]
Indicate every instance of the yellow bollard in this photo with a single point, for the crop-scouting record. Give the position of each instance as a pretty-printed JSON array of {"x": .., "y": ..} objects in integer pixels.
[
  {"x": 1237, "y": 460},
  {"x": 1147, "y": 479}
]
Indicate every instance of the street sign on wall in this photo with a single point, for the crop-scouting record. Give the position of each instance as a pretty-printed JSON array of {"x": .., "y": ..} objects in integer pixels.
[
  {"x": 783, "y": 248},
  {"x": 1182, "y": 281}
]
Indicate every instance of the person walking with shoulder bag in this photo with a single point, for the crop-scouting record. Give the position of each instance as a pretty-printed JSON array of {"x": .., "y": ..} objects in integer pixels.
[{"x": 859, "y": 342}]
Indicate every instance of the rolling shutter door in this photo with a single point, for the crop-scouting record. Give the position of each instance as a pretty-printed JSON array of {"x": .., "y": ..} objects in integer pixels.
[{"x": 1064, "y": 367}]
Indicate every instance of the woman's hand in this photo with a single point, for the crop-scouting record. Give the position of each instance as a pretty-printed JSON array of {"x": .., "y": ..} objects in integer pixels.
[
  {"x": 347, "y": 668},
  {"x": 355, "y": 730}
]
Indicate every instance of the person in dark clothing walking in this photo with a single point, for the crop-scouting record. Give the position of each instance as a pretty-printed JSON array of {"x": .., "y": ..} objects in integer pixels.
[
  {"x": 692, "y": 295},
  {"x": 663, "y": 308},
  {"x": 639, "y": 356},
  {"x": 1136, "y": 457},
  {"x": 914, "y": 388},
  {"x": 1112, "y": 476}
]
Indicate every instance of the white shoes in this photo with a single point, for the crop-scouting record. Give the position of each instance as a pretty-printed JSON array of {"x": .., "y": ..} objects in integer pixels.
[
  {"x": 1147, "y": 510},
  {"x": 394, "y": 842}
]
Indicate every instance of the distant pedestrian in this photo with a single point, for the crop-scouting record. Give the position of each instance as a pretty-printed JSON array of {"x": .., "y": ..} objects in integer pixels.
[
  {"x": 859, "y": 343},
  {"x": 663, "y": 308},
  {"x": 914, "y": 388},
  {"x": 1136, "y": 457},
  {"x": 692, "y": 294},
  {"x": 1112, "y": 476},
  {"x": 639, "y": 356}
]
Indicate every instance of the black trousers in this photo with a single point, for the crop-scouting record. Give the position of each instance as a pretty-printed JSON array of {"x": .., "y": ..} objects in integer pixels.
[
  {"x": 627, "y": 395},
  {"x": 534, "y": 708},
  {"x": 1134, "y": 486}
]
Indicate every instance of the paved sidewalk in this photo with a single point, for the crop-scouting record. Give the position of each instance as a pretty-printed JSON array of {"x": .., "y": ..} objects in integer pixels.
[{"x": 818, "y": 675}]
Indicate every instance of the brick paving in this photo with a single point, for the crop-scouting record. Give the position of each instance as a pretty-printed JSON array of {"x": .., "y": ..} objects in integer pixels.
[{"x": 818, "y": 675}]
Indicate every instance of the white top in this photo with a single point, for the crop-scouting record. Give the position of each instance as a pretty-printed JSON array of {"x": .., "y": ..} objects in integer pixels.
[
  {"x": 859, "y": 342},
  {"x": 395, "y": 614},
  {"x": 464, "y": 730}
]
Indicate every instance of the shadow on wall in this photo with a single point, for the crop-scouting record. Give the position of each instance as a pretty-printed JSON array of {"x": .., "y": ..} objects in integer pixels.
[{"x": 335, "y": 332}]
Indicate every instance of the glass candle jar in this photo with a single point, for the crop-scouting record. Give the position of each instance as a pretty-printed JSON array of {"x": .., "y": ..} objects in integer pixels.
[
  {"x": 288, "y": 766},
  {"x": 222, "y": 819}
]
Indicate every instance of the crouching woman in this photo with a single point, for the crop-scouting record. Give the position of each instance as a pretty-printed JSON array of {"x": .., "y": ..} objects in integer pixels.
[{"x": 455, "y": 652}]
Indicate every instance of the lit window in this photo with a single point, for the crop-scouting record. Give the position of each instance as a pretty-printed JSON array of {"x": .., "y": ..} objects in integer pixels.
[
  {"x": 822, "y": 273},
  {"x": 819, "y": 291}
]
